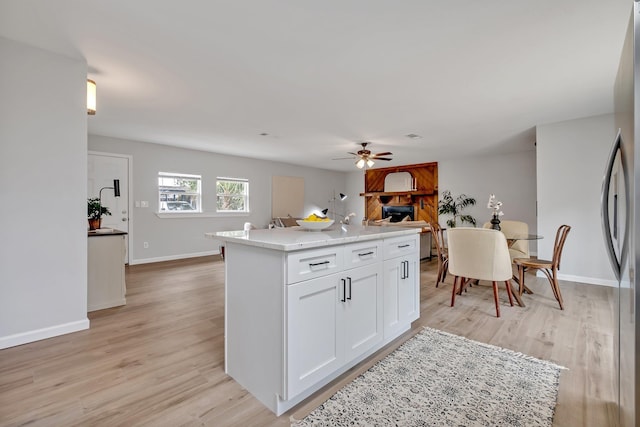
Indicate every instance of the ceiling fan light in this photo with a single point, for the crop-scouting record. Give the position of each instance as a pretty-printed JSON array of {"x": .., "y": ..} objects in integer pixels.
[
  {"x": 360, "y": 163},
  {"x": 370, "y": 162},
  {"x": 91, "y": 97}
]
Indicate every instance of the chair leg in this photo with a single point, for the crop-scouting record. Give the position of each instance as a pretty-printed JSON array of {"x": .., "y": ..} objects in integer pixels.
[
  {"x": 439, "y": 272},
  {"x": 556, "y": 286},
  {"x": 508, "y": 283},
  {"x": 463, "y": 285},
  {"x": 495, "y": 298},
  {"x": 445, "y": 267},
  {"x": 453, "y": 293},
  {"x": 553, "y": 281},
  {"x": 521, "y": 279}
]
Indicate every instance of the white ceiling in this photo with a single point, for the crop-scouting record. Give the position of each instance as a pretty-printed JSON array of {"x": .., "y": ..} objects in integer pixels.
[{"x": 318, "y": 77}]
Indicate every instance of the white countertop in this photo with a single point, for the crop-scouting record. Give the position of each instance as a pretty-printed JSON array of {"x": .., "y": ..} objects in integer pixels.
[{"x": 297, "y": 238}]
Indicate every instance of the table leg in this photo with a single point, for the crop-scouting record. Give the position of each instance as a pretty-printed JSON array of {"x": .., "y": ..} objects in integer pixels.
[
  {"x": 526, "y": 288},
  {"x": 516, "y": 294}
]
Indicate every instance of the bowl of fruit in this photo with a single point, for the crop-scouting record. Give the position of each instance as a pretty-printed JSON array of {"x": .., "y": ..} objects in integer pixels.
[{"x": 315, "y": 222}]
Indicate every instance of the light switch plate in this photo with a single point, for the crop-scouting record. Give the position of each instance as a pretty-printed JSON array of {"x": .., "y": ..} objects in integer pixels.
[{"x": 144, "y": 204}]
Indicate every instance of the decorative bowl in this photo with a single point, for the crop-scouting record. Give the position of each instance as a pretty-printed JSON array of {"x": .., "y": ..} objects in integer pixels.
[{"x": 314, "y": 225}]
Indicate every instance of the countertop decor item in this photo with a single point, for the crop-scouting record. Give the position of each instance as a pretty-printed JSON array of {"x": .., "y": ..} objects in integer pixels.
[
  {"x": 315, "y": 225},
  {"x": 497, "y": 212},
  {"x": 95, "y": 210}
]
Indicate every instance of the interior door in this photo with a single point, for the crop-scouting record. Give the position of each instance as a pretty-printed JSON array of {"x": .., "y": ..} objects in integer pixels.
[{"x": 102, "y": 169}]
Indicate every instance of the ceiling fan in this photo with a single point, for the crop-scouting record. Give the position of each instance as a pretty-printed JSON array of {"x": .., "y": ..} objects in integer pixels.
[{"x": 365, "y": 156}]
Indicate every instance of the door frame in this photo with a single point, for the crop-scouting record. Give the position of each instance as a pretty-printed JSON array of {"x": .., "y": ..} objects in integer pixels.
[{"x": 129, "y": 192}]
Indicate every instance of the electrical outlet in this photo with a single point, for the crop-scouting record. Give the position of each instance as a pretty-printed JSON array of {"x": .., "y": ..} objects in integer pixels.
[{"x": 146, "y": 245}]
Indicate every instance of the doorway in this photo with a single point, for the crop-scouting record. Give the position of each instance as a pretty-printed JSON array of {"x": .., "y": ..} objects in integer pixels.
[{"x": 102, "y": 169}]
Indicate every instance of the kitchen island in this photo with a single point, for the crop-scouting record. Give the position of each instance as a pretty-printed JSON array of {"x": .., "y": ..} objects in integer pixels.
[{"x": 302, "y": 307}]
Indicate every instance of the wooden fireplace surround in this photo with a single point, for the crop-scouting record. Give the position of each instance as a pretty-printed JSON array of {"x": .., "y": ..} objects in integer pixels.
[{"x": 424, "y": 198}]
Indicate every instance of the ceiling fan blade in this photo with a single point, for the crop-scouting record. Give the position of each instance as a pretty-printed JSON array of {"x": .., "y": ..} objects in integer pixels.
[
  {"x": 382, "y": 158},
  {"x": 343, "y": 158},
  {"x": 349, "y": 152},
  {"x": 386, "y": 153}
]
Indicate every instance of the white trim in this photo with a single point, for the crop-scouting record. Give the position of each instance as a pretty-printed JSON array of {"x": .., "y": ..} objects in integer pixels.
[
  {"x": 172, "y": 257},
  {"x": 44, "y": 333},
  {"x": 582, "y": 279},
  {"x": 129, "y": 239},
  {"x": 107, "y": 304}
]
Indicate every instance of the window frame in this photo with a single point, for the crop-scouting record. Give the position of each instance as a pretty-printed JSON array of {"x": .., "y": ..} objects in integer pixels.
[
  {"x": 197, "y": 193},
  {"x": 245, "y": 196}
]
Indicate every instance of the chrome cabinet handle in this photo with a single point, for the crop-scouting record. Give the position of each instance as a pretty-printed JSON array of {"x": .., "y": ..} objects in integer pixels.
[
  {"x": 349, "y": 279},
  {"x": 366, "y": 253},
  {"x": 403, "y": 246},
  {"x": 344, "y": 290}
]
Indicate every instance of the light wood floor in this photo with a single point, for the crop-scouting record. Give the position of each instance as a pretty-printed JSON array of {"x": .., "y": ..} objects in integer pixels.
[{"x": 160, "y": 361}]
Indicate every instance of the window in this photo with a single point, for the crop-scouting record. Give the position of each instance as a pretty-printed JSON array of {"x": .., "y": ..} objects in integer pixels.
[
  {"x": 232, "y": 195},
  {"x": 179, "y": 193}
]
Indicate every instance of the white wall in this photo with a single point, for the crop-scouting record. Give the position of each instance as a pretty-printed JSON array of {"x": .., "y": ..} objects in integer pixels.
[
  {"x": 353, "y": 187},
  {"x": 511, "y": 177},
  {"x": 571, "y": 162},
  {"x": 43, "y": 151},
  {"x": 173, "y": 238}
]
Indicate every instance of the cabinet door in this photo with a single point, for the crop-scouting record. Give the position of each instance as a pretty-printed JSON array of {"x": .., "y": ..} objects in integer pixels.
[
  {"x": 315, "y": 347},
  {"x": 363, "y": 305},
  {"x": 401, "y": 293},
  {"x": 410, "y": 291}
]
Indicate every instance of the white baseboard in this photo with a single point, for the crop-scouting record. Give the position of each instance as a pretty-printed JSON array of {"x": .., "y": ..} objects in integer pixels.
[
  {"x": 582, "y": 279},
  {"x": 172, "y": 257},
  {"x": 44, "y": 333},
  {"x": 108, "y": 304}
]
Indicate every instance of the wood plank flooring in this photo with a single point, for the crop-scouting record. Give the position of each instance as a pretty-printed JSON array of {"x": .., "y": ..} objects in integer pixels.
[{"x": 159, "y": 360}]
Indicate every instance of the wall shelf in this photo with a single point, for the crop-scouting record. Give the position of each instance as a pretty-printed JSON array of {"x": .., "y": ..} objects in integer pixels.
[{"x": 399, "y": 193}]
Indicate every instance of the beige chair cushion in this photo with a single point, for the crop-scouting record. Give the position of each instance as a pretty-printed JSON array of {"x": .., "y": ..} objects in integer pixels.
[
  {"x": 478, "y": 253},
  {"x": 520, "y": 248}
]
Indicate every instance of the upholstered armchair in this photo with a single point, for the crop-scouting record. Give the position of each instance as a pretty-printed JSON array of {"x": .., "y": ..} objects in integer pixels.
[{"x": 482, "y": 254}]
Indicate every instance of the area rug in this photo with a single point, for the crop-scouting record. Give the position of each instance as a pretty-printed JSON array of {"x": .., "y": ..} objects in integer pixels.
[{"x": 440, "y": 379}]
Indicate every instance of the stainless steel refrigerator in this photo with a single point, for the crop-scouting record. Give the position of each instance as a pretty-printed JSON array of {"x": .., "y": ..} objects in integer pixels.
[{"x": 621, "y": 223}]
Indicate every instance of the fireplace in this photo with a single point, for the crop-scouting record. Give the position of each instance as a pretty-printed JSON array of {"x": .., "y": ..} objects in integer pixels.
[{"x": 397, "y": 213}]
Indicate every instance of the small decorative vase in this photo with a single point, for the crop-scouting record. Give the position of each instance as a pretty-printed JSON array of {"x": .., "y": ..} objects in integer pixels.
[
  {"x": 495, "y": 222},
  {"x": 94, "y": 223}
]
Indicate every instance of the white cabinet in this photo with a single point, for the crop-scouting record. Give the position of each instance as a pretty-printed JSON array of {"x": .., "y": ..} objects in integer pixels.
[
  {"x": 314, "y": 349},
  {"x": 331, "y": 321},
  {"x": 362, "y": 310},
  {"x": 401, "y": 285},
  {"x": 105, "y": 271}
]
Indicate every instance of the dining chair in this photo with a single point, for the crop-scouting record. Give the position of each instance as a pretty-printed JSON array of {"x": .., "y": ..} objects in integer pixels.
[
  {"x": 549, "y": 268},
  {"x": 482, "y": 254},
  {"x": 441, "y": 251},
  {"x": 519, "y": 248}
]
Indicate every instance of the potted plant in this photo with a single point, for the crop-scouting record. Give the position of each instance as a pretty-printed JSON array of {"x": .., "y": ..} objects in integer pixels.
[
  {"x": 95, "y": 210},
  {"x": 450, "y": 206}
]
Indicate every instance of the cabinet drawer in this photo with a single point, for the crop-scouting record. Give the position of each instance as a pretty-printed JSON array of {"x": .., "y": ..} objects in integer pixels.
[
  {"x": 398, "y": 246},
  {"x": 314, "y": 263},
  {"x": 365, "y": 253}
]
